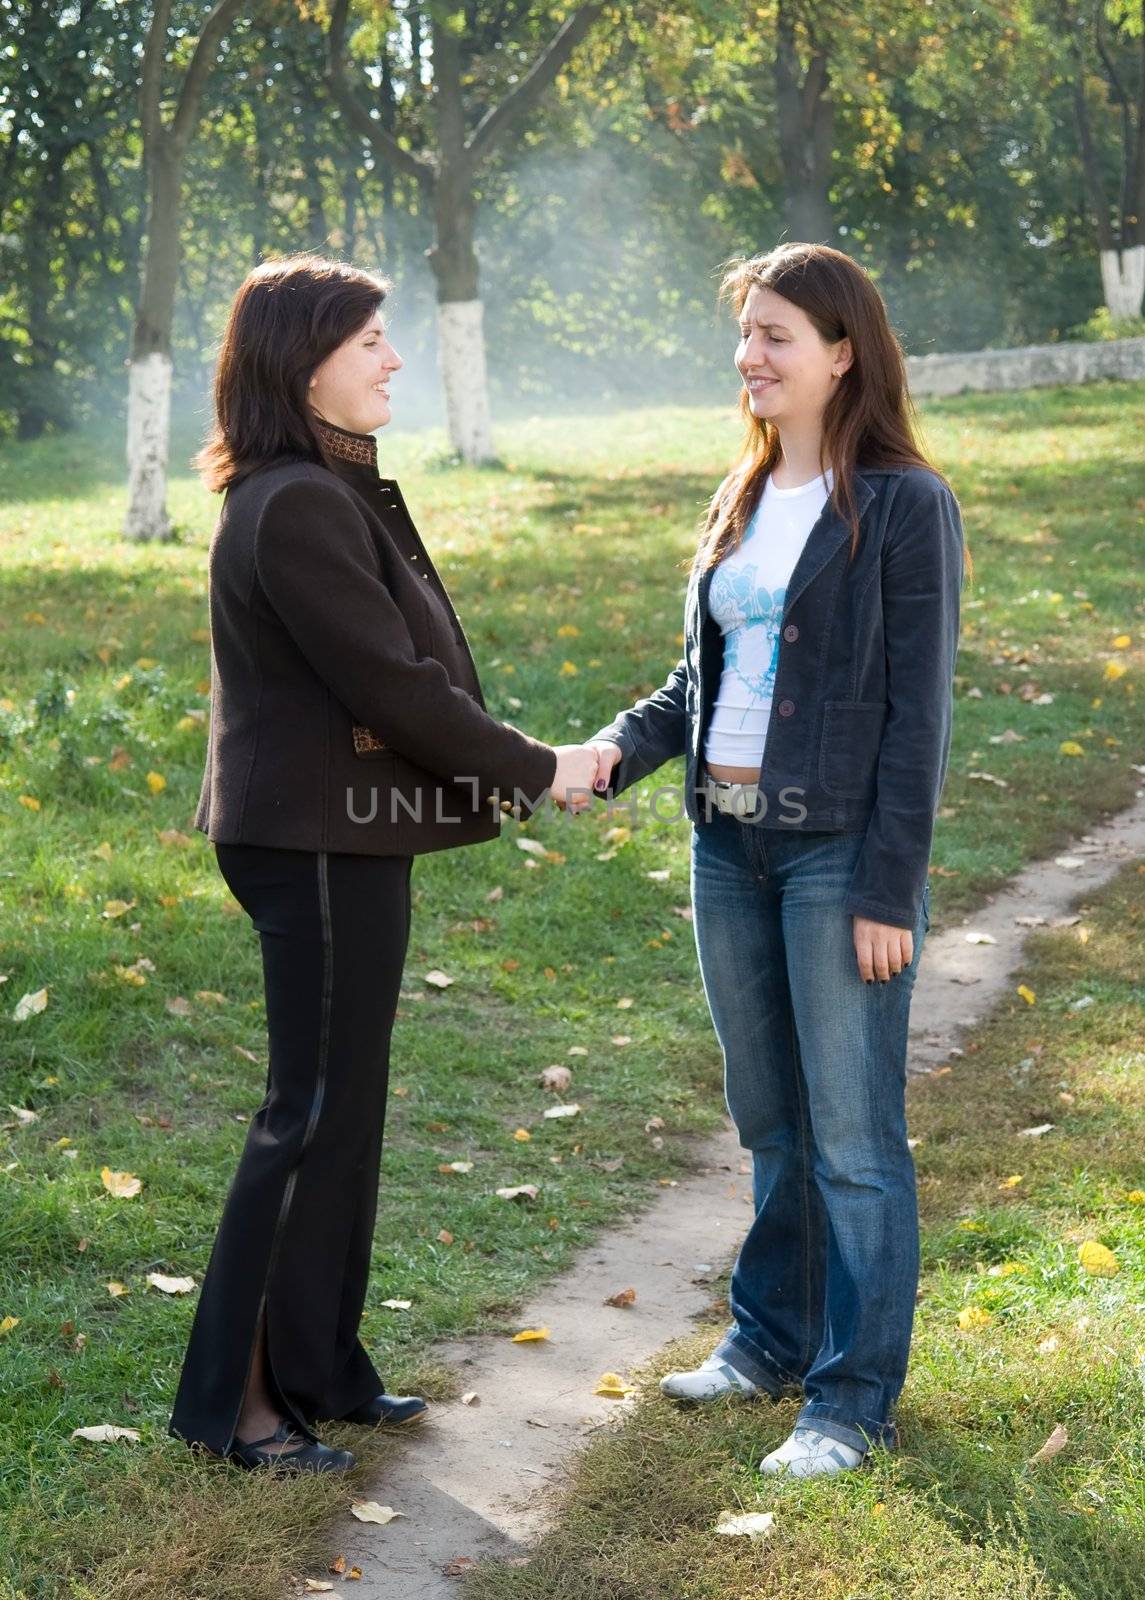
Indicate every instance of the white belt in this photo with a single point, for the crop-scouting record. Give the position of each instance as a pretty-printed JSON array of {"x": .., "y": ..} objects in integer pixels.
[{"x": 733, "y": 799}]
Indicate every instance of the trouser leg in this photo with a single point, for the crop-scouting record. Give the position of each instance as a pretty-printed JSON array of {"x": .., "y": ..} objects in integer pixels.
[{"x": 294, "y": 1235}]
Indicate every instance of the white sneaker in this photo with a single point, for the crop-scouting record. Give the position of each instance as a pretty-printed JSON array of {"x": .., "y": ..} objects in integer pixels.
[
  {"x": 810, "y": 1454},
  {"x": 708, "y": 1382}
]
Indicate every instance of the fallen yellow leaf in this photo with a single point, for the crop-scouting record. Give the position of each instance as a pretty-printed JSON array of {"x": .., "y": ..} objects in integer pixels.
[
  {"x": 1095, "y": 1258},
  {"x": 371, "y": 1511},
  {"x": 612, "y": 1385},
  {"x": 30, "y": 1005},
  {"x": 166, "y": 1285},
  {"x": 751, "y": 1524},
  {"x": 1027, "y": 993},
  {"x": 530, "y": 1335},
  {"x": 121, "y": 1184}
]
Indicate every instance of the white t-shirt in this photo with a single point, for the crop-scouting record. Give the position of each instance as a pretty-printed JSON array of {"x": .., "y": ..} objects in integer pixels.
[{"x": 746, "y": 597}]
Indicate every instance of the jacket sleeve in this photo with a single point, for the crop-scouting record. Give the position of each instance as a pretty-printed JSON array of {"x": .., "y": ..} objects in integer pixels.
[
  {"x": 319, "y": 570},
  {"x": 652, "y": 732},
  {"x": 922, "y": 573}
]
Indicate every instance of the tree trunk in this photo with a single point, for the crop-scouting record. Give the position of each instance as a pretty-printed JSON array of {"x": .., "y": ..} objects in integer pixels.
[
  {"x": 1123, "y": 280},
  {"x": 38, "y": 406},
  {"x": 1122, "y": 260},
  {"x": 149, "y": 389},
  {"x": 447, "y": 179},
  {"x": 806, "y": 136},
  {"x": 460, "y": 315}
]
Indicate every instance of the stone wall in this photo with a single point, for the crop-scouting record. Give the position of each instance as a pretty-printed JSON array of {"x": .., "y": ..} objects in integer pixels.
[{"x": 1029, "y": 366}]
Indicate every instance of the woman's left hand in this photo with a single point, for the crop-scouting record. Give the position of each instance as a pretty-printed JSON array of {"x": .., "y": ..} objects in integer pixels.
[{"x": 881, "y": 950}]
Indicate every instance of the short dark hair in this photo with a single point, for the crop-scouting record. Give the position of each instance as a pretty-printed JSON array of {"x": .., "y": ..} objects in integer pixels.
[{"x": 287, "y": 317}]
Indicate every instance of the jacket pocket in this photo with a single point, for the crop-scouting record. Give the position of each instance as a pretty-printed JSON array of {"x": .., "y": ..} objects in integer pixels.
[{"x": 849, "y": 751}]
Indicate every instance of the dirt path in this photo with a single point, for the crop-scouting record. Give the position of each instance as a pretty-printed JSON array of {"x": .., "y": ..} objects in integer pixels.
[{"x": 475, "y": 1481}]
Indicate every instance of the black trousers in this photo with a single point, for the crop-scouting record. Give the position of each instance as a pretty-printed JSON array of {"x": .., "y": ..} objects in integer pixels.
[{"x": 298, "y": 1222}]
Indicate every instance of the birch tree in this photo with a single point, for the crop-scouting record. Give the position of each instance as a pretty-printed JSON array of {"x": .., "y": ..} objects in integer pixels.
[
  {"x": 166, "y": 137},
  {"x": 1106, "y": 43},
  {"x": 447, "y": 162}
]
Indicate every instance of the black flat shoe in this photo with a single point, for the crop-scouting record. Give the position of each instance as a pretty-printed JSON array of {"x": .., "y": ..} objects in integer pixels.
[
  {"x": 311, "y": 1456},
  {"x": 392, "y": 1410}
]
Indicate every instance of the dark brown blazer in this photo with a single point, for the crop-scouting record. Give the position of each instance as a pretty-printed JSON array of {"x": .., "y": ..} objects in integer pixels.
[{"x": 346, "y": 713}]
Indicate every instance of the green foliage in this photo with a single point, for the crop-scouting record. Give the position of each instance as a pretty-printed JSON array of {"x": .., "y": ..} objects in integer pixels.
[
  {"x": 1104, "y": 325},
  {"x": 955, "y": 180}
]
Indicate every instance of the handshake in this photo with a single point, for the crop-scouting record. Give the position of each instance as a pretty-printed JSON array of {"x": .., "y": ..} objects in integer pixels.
[{"x": 583, "y": 769}]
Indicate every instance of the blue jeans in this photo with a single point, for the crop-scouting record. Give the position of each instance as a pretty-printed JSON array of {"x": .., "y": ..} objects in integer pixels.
[{"x": 823, "y": 1290}]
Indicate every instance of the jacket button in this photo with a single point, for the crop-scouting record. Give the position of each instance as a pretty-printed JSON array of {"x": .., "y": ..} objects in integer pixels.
[
  {"x": 791, "y": 633},
  {"x": 786, "y": 707}
]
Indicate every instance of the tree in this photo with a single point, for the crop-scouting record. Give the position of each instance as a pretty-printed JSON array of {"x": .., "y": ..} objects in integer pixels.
[
  {"x": 1107, "y": 43},
  {"x": 69, "y": 203},
  {"x": 483, "y": 84},
  {"x": 165, "y": 144}
]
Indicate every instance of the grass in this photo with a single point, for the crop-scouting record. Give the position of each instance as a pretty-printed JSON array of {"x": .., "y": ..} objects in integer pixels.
[
  {"x": 582, "y": 528},
  {"x": 959, "y": 1512}
]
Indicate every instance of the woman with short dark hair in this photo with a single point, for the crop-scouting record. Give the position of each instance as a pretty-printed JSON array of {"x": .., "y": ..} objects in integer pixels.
[
  {"x": 814, "y": 707},
  {"x": 348, "y": 734}
]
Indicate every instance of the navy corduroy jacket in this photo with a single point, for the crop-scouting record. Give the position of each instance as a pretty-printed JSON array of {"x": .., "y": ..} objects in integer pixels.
[{"x": 858, "y": 737}]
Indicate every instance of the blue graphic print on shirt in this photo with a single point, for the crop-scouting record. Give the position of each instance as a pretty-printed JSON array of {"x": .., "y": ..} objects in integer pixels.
[{"x": 749, "y": 615}]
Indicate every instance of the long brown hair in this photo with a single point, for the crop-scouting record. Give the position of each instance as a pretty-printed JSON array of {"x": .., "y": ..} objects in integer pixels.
[
  {"x": 869, "y": 420},
  {"x": 287, "y": 317}
]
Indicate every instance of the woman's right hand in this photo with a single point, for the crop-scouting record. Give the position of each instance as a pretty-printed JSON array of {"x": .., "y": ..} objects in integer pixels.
[{"x": 571, "y": 787}]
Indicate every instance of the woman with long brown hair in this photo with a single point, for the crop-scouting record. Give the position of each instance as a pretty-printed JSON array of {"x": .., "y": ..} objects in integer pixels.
[
  {"x": 814, "y": 706},
  {"x": 348, "y": 734}
]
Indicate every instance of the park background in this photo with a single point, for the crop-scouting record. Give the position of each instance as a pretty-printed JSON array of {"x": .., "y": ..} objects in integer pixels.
[{"x": 579, "y": 174}]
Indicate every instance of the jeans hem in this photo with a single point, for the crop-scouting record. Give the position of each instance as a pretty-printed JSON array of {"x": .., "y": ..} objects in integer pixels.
[
  {"x": 746, "y": 1362},
  {"x": 830, "y": 1421}
]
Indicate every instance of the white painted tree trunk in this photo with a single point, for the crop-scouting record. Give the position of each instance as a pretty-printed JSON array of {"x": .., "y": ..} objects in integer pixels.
[
  {"x": 148, "y": 421},
  {"x": 1123, "y": 280},
  {"x": 461, "y": 355}
]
